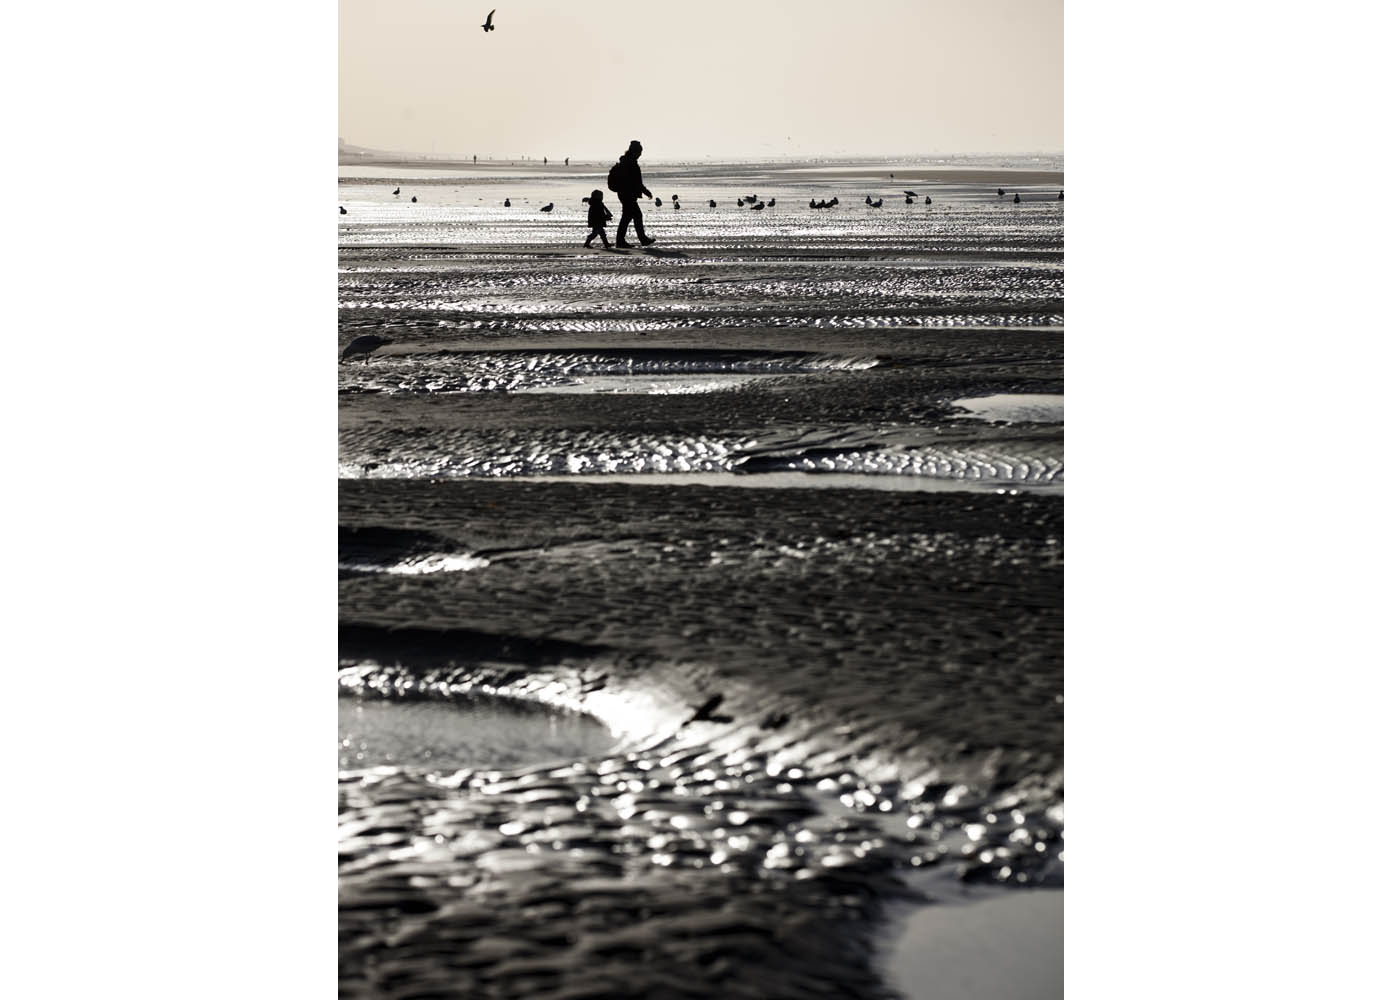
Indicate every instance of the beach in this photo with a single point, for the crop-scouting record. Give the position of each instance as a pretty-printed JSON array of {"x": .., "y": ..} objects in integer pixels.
[{"x": 777, "y": 501}]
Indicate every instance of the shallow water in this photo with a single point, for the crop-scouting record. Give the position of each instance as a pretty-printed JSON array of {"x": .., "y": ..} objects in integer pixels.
[{"x": 481, "y": 732}]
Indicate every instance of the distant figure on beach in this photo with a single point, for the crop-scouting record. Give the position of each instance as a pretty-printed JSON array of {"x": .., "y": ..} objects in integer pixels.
[
  {"x": 598, "y": 216},
  {"x": 625, "y": 178}
]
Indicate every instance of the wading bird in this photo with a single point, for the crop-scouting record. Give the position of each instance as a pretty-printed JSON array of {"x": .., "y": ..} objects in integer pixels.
[
  {"x": 488, "y": 26},
  {"x": 772, "y": 202},
  {"x": 877, "y": 202},
  {"x": 548, "y": 208},
  {"x": 757, "y": 207},
  {"x": 365, "y": 345}
]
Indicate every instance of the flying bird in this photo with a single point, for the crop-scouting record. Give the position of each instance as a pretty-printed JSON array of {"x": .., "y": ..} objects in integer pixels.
[
  {"x": 365, "y": 345},
  {"x": 548, "y": 208},
  {"x": 928, "y": 200},
  {"x": 911, "y": 194},
  {"x": 488, "y": 26}
]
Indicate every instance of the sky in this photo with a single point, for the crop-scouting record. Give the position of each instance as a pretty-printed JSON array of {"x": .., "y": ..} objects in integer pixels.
[{"x": 741, "y": 78}]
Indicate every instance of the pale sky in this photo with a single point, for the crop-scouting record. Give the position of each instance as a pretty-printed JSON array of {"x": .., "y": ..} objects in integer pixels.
[{"x": 742, "y": 78}]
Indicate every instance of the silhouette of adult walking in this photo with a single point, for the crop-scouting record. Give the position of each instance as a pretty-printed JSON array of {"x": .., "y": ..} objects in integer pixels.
[{"x": 625, "y": 178}]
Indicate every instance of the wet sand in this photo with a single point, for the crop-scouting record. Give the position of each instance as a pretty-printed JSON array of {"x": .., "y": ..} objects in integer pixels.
[{"x": 820, "y": 691}]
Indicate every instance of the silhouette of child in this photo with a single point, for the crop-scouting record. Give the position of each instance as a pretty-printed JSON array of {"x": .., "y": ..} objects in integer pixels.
[{"x": 598, "y": 216}]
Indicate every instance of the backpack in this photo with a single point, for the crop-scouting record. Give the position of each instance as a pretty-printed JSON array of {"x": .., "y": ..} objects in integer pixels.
[{"x": 613, "y": 176}]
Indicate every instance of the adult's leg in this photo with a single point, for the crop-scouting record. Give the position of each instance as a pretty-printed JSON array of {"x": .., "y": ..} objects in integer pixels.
[{"x": 630, "y": 212}]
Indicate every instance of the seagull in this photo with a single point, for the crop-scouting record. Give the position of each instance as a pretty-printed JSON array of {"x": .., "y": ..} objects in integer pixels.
[
  {"x": 414, "y": 199},
  {"x": 676, "y": 205},
  {"x": 548, "y": 208},
  {"x": 908, "y": 200},
  {"x": 342, "y": 210},
  {"x": 741, "y": 202},
  {"x": 1017, "y": 199},
  {"x": 812, "y": 203},
  {"x": 834, "y": 201},
  {"x": 365, "y": 345},
  {"x": 675, "y": 197},
  {"x": 867, "y": 199},
  {"x": 658, "y": 202},
  {"x": 712, "y": 203},
  {"x": 1000, "y": 192},
  {"x": 757, "y": 207},
  {"x": 911, "y": 194},
  {"x": 1061, "y": 197},
  {"x": 877, "y": 203},
  {"x": 488, "y": 26},
  {"x": 507, "y": 203},
  {"x": 928, "y": 200},
  {"x": 396, "y": 190},
  {"x": 772, "y": 202},
  {"x": 751, "y": 198}
]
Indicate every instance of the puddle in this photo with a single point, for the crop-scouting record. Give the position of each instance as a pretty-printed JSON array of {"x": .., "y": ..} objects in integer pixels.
[
  {"x": 650, "y": 385},
  {"x": 1003, "y": 945},
  {"x": 1018, "y": 408},
  {"x": 449, "y": 735}
]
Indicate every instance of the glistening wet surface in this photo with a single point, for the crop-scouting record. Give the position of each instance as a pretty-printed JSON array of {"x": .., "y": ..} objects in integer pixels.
[{"x": 818, "y": 692}]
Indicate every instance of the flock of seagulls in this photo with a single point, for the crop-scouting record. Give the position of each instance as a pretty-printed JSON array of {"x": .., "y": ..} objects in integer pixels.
[{"x": 755, "y": 203}]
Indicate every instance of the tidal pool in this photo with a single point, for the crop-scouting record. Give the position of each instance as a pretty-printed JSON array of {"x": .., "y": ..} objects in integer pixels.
[{"x": 449, "y": 735}]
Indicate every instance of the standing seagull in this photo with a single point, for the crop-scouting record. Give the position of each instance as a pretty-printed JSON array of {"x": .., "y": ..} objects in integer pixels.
[
  {"x": 928, "y": 200},
  {"x": 712, "y": 203},
  {"x": 342, "y": 210},
  {"x": 396, "y": 190},
  {"x": 365, "y": 345},
  {"x": 1061, "y": 197},
  {"x": 1000, "y": 192},
  {"x": 414, "y": 199},
  {"x": 548, "y": 208},
  {"x": 488, "y": 26},
  {"x": 1017, "y": 199}
]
